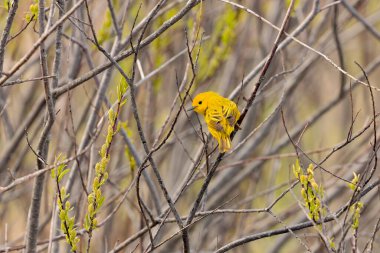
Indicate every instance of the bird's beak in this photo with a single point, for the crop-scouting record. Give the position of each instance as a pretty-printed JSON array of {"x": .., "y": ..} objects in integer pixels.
[{"x": 190, "y": 109}]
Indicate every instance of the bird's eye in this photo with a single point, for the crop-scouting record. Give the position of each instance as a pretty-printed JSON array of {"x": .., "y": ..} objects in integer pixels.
[{"x": 200, "y": 102}]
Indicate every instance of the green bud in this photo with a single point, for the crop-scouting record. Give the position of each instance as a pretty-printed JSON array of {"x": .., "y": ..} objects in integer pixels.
[
  {"x": 67, "y": 205},
  {"x": 90, "y": 208},
  {"x": 111, "y": 116},
  {"x": 90, "y": 198}
]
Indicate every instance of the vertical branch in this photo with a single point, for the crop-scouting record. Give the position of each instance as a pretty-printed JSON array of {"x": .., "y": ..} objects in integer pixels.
[
  {"x": 110, "y": 58},
  {"x": 56, "y": 70},
  {"x": 43, "y": 145},
  {"x": 114, "y": 20},
  {"x": 374, "y": 145},
  {"x": 362, "y": 20},
  {"x": 136, "y": 116},
  {"x": 131, "y": 84},
  {"x": 58, "y": 45},
  {"x": 154, "y": 166},
  {"x": 338, "y": 47},
  {"x": 91, "y": 122},
  {"x": 7, "y": 29},
  {"x": 3, "y": 43},
  {"x": 37, "y": 44},
  {"x": 244, "y": 113}
]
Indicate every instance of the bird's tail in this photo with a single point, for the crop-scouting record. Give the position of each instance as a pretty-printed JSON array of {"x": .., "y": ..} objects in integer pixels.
[{"x": 224, "y": 143}]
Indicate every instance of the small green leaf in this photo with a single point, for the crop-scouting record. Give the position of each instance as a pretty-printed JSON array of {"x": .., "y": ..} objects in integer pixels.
[
  {"x": 98, "y": 193},
  {"x": 67, "y": 205},
  {"x": 87, "y": 222},
  {"x": 63, "y": 192},
  {"x": 62, "y": 215},
  {"x": 90, "y": 208},
  {"x": 90, "y": 198},
  {"x": 100, "y": 202},
  {"x": 122, "y": 103},
  {"x": 354, "y": 181},
  {"x": 62, "y": 174},
  {"x": 111, "y": 115},
  {"x": 96, "y": 183}
]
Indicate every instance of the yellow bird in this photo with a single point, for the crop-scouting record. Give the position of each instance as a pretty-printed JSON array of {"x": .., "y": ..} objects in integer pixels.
[{"x": 221, "y": 115}]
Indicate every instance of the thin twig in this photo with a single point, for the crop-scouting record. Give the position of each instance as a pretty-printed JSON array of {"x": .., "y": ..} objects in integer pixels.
[
  {"x": 293, "y": 228},
  {"x": 43, "y": 145},
  {"x": 37, "y": 44},
  {"x": 243, "y": 114},
  {"x": 6, "y": 31},
  {"x": 357, "y": 15}
]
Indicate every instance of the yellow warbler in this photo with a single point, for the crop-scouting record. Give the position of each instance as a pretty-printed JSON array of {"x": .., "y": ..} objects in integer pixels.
[{"x": 221, "y": 115}]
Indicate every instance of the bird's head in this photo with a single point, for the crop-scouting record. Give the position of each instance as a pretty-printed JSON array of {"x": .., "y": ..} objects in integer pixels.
[{"x": 200, "y": 102}]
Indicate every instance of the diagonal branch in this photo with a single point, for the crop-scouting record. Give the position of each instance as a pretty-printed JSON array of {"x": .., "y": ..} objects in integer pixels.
[
  {"x": 357, "y": 15},
  {"x": 293, "y": 228},
  {"x": 244, "y": 113},
  {"x": 6, "y": 31},
  {"x": 37, "y": 44},
  {"x": 43, "y": 145}
]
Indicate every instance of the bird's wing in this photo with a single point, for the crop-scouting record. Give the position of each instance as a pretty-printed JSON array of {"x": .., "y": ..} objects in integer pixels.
[
  {"x": 231, "y": 113},
  {"x": 214, "y": 119}
]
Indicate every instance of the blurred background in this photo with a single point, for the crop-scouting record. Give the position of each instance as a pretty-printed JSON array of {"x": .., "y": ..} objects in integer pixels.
[{"x": 310, "y": 106}]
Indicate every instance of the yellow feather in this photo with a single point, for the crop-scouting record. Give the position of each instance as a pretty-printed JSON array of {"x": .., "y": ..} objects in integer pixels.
[{"x": 221, "y": 115}]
